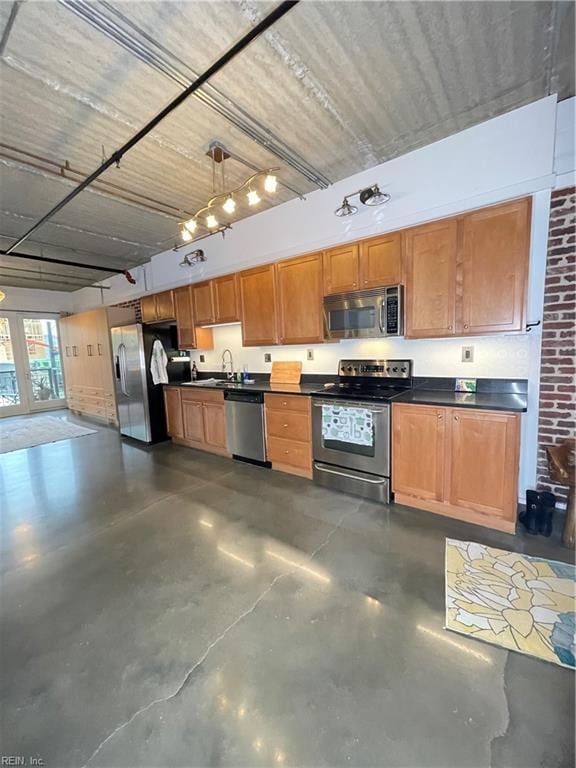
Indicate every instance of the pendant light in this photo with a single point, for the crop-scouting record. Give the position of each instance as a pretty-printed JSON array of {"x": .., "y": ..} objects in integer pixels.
[
  {"x": 211, "y": 221},
  {"x": 253, "y": 197},
  {"x": 270, "y": 183},
  {"x": 229, "y": 205},
  {"x": 346, "y": 209}
]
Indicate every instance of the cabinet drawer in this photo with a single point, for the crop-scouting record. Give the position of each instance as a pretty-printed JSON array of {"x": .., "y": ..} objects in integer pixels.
[
  {"x": 289, "y": 452},
  {"x": 289, "y": 425},
  {"x": 202, "y": 395},
  {"x": 298, "y": 403}
]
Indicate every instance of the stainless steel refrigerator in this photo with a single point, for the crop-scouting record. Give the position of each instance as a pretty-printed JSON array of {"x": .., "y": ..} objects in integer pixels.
[{"x": 141, "y": 402}]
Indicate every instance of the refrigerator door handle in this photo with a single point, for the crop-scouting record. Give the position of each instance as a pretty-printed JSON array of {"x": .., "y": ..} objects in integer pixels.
[{"x": 123, "y": 368}]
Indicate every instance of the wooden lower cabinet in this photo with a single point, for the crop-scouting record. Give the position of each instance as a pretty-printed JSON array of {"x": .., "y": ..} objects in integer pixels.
[
  {"x": 196, "y": 419},
  {"x": 173, "y": 406},
  {"x": 289, "y": 433},
  {"x": 458, "y": 462}
]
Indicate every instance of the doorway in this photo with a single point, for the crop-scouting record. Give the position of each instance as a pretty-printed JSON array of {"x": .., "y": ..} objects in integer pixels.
[{"x": 31, "y": 376}]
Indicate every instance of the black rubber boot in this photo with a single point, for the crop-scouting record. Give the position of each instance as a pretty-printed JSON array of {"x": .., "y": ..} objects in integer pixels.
[
  {"x": 530, "y": 517},
  {"x": 546, "y": 513}
]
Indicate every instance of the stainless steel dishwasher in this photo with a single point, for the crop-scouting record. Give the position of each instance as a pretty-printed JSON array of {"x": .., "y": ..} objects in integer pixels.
[{"x": 245, "y": 426}]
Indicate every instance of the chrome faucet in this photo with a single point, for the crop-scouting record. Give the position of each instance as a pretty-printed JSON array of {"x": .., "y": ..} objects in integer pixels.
[{"x": 229, "y": 362}]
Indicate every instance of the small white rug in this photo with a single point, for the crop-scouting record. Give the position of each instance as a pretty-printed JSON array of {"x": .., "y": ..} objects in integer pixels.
[{"x": 15, "y": 435}]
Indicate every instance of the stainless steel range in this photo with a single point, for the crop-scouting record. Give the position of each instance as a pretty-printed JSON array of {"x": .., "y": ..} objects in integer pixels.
[{"x": 351, "y": 426}]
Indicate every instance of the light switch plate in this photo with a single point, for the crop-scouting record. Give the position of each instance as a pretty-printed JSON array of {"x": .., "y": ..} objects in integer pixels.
[
  {"x": 309, "y": 354},
  {"x": 267, "y": 357},
  {"x": 467, "y": 354},
  {"x": 202, "y": 359}
]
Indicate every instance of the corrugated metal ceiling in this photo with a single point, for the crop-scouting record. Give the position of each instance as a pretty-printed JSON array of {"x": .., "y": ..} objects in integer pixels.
[{"x": 335, "y": 87}]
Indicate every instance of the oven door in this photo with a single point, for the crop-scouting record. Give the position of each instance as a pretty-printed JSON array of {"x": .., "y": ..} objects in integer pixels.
[
  {"x": 354, "y": 316},
  {"x": 351, "y": 433}
]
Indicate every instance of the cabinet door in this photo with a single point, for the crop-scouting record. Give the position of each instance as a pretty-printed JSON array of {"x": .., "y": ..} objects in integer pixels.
[
  {"x": 300, "y": 300},
  {"x": 430, "y": 268},
  {"x": 341, "y": 269},
  {"x": 165, "y": 305},
  {"x": 258, "y": 306},
  {"x": 214, "y": 425},
  {"x": 419, "y": 450},
  {"x": 484, "y": 461},
  {"x": 381, "y": 260},
  {"x": 203, "y": 303},
  {"x": 225, "y": 293},
  {"x": 184, "y": 318},
  {"x": 148, "y": 309},
  {"x": 173, "y": 407},
  {"x": 193, "y": 420},
  {"x": 495, "y": 255}
]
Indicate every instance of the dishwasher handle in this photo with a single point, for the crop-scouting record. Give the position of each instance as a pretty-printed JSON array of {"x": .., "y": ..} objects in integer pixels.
[{"x": 244, "y": 397}]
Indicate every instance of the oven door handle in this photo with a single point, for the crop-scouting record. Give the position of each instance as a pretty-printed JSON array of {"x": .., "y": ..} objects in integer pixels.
[
  {"x": 345, "y": 474},
  {"x": 352, "y": 405}
]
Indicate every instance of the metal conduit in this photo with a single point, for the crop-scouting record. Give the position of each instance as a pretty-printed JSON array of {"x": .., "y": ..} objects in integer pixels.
[{"x": 116, "y": 156}]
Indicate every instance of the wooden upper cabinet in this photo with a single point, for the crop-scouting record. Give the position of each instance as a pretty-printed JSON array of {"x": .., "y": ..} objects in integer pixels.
[
  {"x": 495, "y": 256},
  {"x": 430, "y": 255},
  {"x": 189, "y": 337},
  {"x": 258, "y": 306},
  {"x": 148, "y": 309},
  {"x": 165, "y": 305},
  {"x": 484, "y": 462},
  {"x": 300, "y": 300},
  {"x": 203, "y": 303},
  {"x": 158, "y": 307},
  {"x": 184, "y": 318},
  {"x": 225, "y": 293},
  {"x": 173, "y": 407},
  {"x": 381, "y": 261},
  {"x": 341, "y": 269},
  {"x": 419, "y": 450}
]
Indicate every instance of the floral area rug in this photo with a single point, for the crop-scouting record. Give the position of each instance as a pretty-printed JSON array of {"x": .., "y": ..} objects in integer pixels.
[{"x": 521, "y": 603}]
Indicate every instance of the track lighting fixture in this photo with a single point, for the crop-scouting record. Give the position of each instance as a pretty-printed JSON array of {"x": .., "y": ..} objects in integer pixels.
[
  {"x": 226, "y": 199},
  {"x": 368, "y": 196}
]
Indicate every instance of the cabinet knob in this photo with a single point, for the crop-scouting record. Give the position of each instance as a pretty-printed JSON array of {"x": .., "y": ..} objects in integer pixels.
[
  {"x": 449, "y": 327},
  {"x": 286, "y": 451},
  {"x": 439, "y": 416},
  {"x": 456, "y": 418},
  {"x": 465, "y": 325},
  {"x": 285, "y": 426},
  {"x": 354, "y": 284}
]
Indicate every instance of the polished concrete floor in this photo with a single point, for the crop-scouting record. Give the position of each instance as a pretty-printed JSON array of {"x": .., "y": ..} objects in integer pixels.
[{"x": 164, "y": 607}]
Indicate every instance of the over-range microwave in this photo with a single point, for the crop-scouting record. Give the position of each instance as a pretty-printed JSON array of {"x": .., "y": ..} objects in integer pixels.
[{"x": 365, "y": 314}]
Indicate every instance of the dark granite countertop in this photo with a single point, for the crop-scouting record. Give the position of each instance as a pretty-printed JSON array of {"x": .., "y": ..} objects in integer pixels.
[{"x": 489, "y": 401}]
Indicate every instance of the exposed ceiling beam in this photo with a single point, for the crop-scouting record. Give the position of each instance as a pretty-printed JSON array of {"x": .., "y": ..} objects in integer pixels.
[
  {"x": 78, "y": 264},
  {"x": 114, "y": 159}
]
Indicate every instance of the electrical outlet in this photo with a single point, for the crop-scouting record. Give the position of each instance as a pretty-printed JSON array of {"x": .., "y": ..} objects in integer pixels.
[
  {"x": 309, "y": 354},
  {"x": 467, "y": 354},
  {"x": 267, "y": 357},
  {"x": 202, "y": 358}
]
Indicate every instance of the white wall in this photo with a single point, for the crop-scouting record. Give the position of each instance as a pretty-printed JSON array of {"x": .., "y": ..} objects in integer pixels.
[
  {"x": 516, "y": 154},
  {"x": 565, "y": 146},
  {"x": 27, "y": 299}
]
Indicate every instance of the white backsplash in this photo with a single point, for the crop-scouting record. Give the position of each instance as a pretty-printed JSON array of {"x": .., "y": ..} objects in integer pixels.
[{"x": 494, "y": 357}]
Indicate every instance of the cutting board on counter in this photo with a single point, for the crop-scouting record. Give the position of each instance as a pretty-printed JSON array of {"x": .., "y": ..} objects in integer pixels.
[{"x": 286, "y": 373}]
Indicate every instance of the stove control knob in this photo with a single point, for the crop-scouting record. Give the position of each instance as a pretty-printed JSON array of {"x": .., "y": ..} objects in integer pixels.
[
  {"x": 395, "y": 369},
  {"x": 404, "y": 370},
  {"x": 349, "y": 368},
  {"x": 387, "y": 370}
]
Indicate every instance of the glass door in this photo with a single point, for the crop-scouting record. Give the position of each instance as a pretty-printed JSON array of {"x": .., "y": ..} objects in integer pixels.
[
  {"x": 30, "y": 364},
  {"x": 13, "y": 391},
  {"x": 43, "y": 373}
]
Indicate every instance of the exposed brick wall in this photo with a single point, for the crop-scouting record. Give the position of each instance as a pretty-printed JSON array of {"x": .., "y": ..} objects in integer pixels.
[
  {"x": 132, "y": 304},
  {"x": 557, "y": 417}
]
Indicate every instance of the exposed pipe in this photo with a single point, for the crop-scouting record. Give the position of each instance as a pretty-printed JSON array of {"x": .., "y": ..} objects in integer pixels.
[
  {"x": 49, "y": 260},
  {"x": 9, "y": 24},
  {"x": 116, "y": 156},
  {"x": 144, "y": 47},
  {"x": 79, "y": 281}
]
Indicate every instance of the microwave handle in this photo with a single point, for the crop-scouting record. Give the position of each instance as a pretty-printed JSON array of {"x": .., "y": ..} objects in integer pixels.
[{"x": 380, "y": 316}]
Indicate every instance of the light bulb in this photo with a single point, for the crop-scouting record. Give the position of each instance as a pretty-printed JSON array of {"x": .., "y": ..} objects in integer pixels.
[
  {"x": 253, "y": 197},
  {"x": 270, "y": 183},
  {"x": 211, "y": 221},
  {"x": 186, "y": 236},
  {"x": 191, "y": 225},
  {"x": 229, "y": 205}
]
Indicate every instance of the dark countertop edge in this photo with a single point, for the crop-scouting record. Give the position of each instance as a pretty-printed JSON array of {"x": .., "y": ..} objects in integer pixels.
[
  {"x": 482, "y": 401},
  {"x": 304, "y": 389}
]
